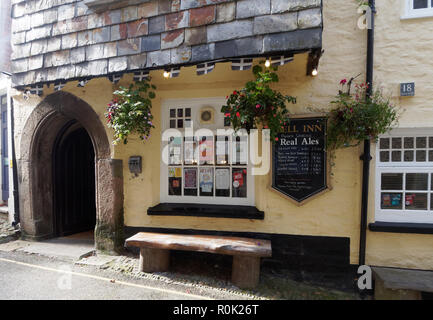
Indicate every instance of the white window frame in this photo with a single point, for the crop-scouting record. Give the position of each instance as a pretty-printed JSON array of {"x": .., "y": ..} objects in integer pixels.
[
  {"x": 198, "y": 103},
  {"x": 410, "y": 13},
  {"x": 407, "y": 216}
]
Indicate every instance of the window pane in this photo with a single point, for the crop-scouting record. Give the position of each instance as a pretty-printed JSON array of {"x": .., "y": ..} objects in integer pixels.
[
  {"x": 430, "y": 140},
  {"x": 396, "y": 156},
  {"x": 175, "y": 181},
  {"x": 222, "y": 182},
  {"x": 421, "y": 156},
  {"x": 431, "y": 195},
  {"x": 187, "y": 123},
  {"x": 222, "y": 150},
  {"x": 408, "y": 156},
  {"x": 431, "y": 179},
  {"x": 396, "y": 143},
  {"x": 190, "y": 150},
  {"x": 239, "y": 150},
  {"x": 179, "y": 113},
  {"x": 174, "y": 150},
  {"x": 206, "y": 149},
  {"x": 384, "y": 143},
  {"x": 430, "y": 155},
  {"x": 384, "y": 156},
  {"x": 190, "y": 182},
  {"x": 392, "y": 181},
  {"x": 391, "y": 201},
  {"x": 172, "y": 113},
  {"x": 420, "y": 4},
  {"x": 421, "y": 142},
  {"x": 206, "y": 182},
  {"x": 188, "y": 112},
  {"x": 416, "y": 181},
  {"x": 239, "y": 181},
  {"x": 416, "y": 201},
  {"x": 408, "y": 143}
]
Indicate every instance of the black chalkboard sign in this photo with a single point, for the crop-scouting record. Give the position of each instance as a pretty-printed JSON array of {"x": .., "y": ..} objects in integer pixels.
[{"x": 299, "y": 159}]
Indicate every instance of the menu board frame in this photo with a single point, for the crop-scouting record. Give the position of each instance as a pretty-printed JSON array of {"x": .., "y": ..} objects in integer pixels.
[{"x": 319, "y": 190}]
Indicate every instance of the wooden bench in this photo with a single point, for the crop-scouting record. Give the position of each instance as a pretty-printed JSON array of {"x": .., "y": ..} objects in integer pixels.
[
  {"x": 155, "y": 252},
  {"x": 401, "y": 284}
]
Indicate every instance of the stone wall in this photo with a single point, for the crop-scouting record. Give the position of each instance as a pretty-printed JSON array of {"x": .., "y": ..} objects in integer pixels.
[{"x": 64, "y": 39}]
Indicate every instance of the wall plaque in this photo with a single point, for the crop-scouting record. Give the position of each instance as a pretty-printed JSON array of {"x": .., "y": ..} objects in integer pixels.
[
  {"x": 299, "y": 165},
  {"x": 407, "y": 89}
]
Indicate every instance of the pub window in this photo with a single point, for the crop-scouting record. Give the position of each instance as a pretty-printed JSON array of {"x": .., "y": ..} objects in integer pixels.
[
  {"x": 208, "y": 168},
  {"x": 418, "y": 9},
  {"x": 404, "y": 180}
]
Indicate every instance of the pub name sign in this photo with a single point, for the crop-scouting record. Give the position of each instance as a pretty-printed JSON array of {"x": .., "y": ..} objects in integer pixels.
[{"x": 299, "y": 165}]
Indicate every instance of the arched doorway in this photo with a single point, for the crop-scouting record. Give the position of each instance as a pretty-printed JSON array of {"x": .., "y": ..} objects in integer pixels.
[
  {"x": 74, "y": 181},
  {"x": 51, "y": 131}
]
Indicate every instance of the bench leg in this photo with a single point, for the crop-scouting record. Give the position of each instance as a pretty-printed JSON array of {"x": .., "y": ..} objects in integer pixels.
[
  {"x": 246, "y": 271},
  {"x": 154, "y": 260}
]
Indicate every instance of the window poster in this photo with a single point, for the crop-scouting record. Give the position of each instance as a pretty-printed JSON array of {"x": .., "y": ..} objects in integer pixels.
[
  {"x": 416, "y": 201},
  {"x": 391, "y": 201},
  {"x": 240, "y": 150},
  {"x": 239, "y": 183},
  {"x": 175, "y": 181},
  {"x": 222, "y": 150},
  {"x": 206, "y": 182},
  {"x": 175, "y": 145},
  {"x": 190, "y": 182},
  {"x": 222, "y": 182},
  {"x": 206, "y": 150},
  {"x": 190, "y": 150}
]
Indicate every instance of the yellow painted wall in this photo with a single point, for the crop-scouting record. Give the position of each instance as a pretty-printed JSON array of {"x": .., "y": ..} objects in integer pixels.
[
  {"x": 402, "y": 55},
  {"x": 334, "y": 213}
]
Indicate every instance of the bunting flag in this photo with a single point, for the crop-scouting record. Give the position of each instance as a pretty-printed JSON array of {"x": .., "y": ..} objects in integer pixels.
[
  {"x": 82, "y": 82},
  {"x": 242, "y": 64},
  {"x": 281, "y": 60},
  {"x": 141, "y": 75},
  {"x": 174, "y": 72},
  {"x": 59, "y": 85},
  {"x": 115, "y": 78},
  {"x": 205, "y": 68},
  {"x": 37, "y": 89}
]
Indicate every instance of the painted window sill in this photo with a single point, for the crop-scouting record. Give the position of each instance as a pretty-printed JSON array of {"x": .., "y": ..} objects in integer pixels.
[
  {"x": 206, "y": 210},
  {"x": 417, "y": 16},
  {"x": 401, "y": 227}
]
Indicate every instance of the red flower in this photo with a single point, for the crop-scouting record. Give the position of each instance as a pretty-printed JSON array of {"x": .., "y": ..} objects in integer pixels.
[
  {"x": 238, "y": 114},
  {"x": 235, "y": 92},
  {"x": 343, "y": 81},
  {"x": 276, "y": 139},
  {"x": 227, "y": 114},
  {"x": 257, "y": 106}
]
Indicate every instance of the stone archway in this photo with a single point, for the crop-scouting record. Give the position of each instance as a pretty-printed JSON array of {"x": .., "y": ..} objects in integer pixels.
[{"x": 36, "y": 177}]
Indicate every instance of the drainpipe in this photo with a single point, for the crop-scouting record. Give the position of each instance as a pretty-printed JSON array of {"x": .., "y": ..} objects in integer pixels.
[
  {"x": 366, "y": 157},
  {"x": 14, "y": 169}
]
